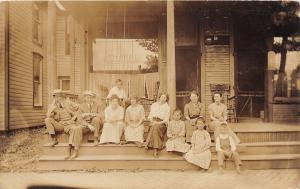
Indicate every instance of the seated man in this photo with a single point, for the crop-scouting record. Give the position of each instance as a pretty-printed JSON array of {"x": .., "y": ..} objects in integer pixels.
[
  {"x": 89, "y": 119},
  {"x": 59, "y": 117},
  {"x": 91, "y": 114}
]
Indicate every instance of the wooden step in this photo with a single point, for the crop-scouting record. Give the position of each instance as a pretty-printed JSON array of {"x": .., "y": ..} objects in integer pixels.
[
  {"x": 246, "y": 135},
  {"x": 292, "y": 147},
  {"x": 130, "y": 162}
]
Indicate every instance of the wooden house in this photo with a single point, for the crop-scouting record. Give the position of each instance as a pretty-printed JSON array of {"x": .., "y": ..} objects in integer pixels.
[{"x": 48, "y": 45}]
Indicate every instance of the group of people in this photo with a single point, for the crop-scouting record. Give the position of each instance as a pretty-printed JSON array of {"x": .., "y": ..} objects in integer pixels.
[{"x": 185, "y": 133}]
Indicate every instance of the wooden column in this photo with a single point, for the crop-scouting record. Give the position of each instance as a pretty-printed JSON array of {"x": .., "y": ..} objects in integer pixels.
[
  {"x": 51, "y": 51},
  {"x": 232, "y": 63},
  {"x": 86, "y": 52},
  {"x": 269, "y": 93},
  {"x": 171, "y": 73},
  {"x": 6, "y": 66},
  {"x": 202, "y": 61},
  {"x": 162, "y": 57}
]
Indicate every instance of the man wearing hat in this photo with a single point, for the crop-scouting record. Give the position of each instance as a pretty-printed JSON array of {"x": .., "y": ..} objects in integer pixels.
[
  {"x": 59, "y": 117},
  {"x": 91, "y": 114}
]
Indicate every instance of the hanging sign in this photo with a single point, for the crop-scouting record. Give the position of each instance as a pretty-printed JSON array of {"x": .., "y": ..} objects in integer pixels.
[{"x": 118, "y": 55}]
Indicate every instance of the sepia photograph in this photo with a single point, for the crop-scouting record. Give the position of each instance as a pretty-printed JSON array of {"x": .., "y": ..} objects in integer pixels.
[{"x": 154, "y": 94}]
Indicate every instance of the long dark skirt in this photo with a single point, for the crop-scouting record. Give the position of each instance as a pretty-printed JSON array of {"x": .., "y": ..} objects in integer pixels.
[{"x": 156, "y": 136}]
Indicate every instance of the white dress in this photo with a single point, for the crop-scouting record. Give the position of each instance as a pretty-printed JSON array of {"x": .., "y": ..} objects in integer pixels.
[
  {"x": 176, "y": 133},
  {"x": 133, "y": 115},
  {"x": 200, "y": 154},
  {"x": 112, "y": 131}
]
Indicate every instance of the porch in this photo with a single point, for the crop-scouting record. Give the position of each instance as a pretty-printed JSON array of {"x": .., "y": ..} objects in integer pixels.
[{"x": 263, "y": 146}]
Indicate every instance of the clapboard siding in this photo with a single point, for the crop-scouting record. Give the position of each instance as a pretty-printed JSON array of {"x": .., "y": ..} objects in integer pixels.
[
  {"x": 63, "y": 61},
  {"x": 22, "y": 113},
  {"x": 217, "y": 61},
  {"x": 286, "y": 112},
  {"x": 217, "y": 69},
  {"x": 2, "y": 66},
  {"x": 72, "y": 65}
]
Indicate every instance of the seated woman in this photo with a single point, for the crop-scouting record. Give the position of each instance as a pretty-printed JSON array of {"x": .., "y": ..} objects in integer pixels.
[
  {"x": 113, "y": 122},
  {"x": 218, "y": 114},
  {"x": 192, "y": 111},
  {"x": 226, "y": 148},
  {"x": 134, "y": 118},
  {"x": 176, "y": 133},
  {"x": 200, "y": 154},
  {"x": 159, "y": 118}
]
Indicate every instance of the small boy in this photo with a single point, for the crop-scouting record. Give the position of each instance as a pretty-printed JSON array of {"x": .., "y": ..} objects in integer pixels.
[{"x": 226, "y": 148}]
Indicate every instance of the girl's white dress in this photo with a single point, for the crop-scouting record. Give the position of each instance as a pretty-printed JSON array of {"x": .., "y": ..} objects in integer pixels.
[
  {"x": 176, "y": 135},
  {"x": 200, "y": 154}
]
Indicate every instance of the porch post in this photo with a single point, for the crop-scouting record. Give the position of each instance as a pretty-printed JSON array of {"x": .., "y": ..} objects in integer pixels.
[
  {"x": 269, "y": 87},
  {"x": 171, "y": 74},
  {"x": 5, "y": 88}
]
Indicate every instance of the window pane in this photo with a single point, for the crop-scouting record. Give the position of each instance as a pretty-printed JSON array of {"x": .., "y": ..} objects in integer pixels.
[
  {"x": 37, "y": 80},
  {"x": 65, "y": 85},
  {"x": 67, "y": 36},
  {"x": 37, "y": 23},
  {"x": 35, "y": 30}
]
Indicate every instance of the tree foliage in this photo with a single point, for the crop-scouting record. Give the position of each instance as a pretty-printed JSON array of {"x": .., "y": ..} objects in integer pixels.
[{"x": 149, "y": 44}]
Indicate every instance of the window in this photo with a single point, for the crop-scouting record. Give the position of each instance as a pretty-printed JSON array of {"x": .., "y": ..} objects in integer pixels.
[
  {"x": 67, "y": 36},
  {"x": 64, "y": 83},
  {"x": 37, "y": 80},
  {"x": 37, "y": 23}
]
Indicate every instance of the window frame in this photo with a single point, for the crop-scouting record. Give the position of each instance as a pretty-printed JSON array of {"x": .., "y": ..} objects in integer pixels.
[
  {"x": 60, "y": 82},
  {"x": 40, "y": 82},
  {"x": 68, "y": 21},
  {"x": 39, "y": 23}
]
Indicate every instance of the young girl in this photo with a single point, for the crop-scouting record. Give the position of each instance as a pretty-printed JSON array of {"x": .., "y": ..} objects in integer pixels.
[
  {"x": 226, "y": 148},
  {"x": 176, "y": 133},
  {"x": 200, "y": 154}
]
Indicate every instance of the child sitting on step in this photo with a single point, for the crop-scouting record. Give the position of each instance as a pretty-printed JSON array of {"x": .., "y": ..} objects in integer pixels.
[
  {"x": 226, "y": 148},
  {"x": 200, "y": 154},
  {"x": 176, "y": 134}
]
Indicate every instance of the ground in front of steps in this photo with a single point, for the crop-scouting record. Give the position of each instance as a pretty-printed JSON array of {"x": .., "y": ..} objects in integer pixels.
[{"x": 252, "y": 179}]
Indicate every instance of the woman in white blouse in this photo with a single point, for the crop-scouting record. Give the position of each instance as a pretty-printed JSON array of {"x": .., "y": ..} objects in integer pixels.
[
  {"x": 114, "y": 123},
  {"x": 134, "y": 118},
  {"x": 159, "y": 118}
]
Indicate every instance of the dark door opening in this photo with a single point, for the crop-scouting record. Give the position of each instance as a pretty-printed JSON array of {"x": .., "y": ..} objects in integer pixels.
[{"x": 187, "y": 74}]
